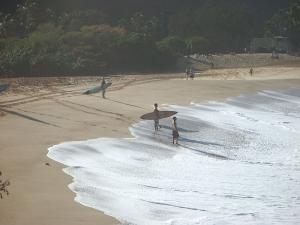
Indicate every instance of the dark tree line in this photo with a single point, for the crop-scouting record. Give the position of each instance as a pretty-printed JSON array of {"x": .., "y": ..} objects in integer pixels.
[
  {"x": 286, "y": 23},
  {"x": 61, "y": 37}
]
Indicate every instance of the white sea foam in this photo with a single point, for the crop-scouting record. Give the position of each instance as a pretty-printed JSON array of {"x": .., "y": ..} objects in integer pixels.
[{"x": 238, "y": 162}]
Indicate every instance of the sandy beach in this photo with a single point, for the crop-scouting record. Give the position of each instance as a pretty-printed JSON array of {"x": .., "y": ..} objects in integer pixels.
[{"x": 38, "y": 113}]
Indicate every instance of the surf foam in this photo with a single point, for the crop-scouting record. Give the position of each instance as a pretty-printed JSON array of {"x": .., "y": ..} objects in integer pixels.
[{"x": 238, "y": 162}]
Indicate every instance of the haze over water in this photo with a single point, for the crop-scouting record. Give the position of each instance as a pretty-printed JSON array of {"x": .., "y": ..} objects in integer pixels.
[{"x": 238, "y": 162}]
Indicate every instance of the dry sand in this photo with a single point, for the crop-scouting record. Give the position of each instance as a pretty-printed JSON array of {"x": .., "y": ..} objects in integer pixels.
[{"x": 40, "y": 112}]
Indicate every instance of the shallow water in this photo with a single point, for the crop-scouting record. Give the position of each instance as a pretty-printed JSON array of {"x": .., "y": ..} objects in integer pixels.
[{"x": 238, "y": 162}]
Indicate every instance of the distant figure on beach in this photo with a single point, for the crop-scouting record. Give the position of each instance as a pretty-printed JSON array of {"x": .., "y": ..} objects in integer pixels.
[
  {"x": 175, "y": 131},
  {"x": 103, "y": 83},
  {"x": 192, "y": 74},
  {"x": 187, "y": 73},
  {"x": 275, "y": 55},
  {"x": 156, "y": 119},
  {"x": 251, "y": 71}
]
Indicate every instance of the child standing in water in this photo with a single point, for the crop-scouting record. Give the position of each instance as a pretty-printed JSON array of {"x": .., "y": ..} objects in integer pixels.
[
  {"x": 175, "y": 131},
  {"x": 156, "y": 117}
]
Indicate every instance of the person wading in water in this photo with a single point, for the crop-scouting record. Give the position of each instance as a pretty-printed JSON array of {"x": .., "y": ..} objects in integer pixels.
[
  {"x": 175, "y": 131},
  {"x": 156, "y": 117}
]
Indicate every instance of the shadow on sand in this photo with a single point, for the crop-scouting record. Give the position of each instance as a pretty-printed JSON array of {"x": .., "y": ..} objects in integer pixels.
[
  {"x": 124, "y": 103},
  {"x": 28, "y": 117}
]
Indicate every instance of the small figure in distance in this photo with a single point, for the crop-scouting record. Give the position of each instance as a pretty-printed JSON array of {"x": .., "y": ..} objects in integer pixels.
[
  {"x": 192, "y": 73},
  {"x": 156, "y": 117},
  {"x": 103, "y": 83},
  {"x": 251, "y": 71},
  {"x": 187, "y": 73},
  {"x": 175, "y": 132}
]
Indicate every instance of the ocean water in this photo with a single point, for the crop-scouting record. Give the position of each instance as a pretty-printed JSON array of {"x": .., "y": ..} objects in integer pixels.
[{"x": 237, "y": 162}]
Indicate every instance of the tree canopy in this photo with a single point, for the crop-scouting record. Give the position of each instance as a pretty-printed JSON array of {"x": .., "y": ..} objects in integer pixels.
[{"x": 98, "y": 36}]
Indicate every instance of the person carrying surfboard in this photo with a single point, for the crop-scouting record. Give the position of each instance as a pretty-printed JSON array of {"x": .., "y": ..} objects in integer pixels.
[
  {"x": 156, "y": 117},
  {"x": 103, "y": 83},
  {"x": 175, "y": 132}
]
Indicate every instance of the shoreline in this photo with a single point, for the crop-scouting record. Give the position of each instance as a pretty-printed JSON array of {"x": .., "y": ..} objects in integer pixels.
[
  {"x": 61, "y": 114},
  {"x": 167, "y": 182}
]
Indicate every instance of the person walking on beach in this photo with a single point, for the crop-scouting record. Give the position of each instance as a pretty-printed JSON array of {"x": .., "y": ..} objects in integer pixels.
[
  {"x": 175, "y": 131},
  {"x": 156, "y": 117},
  {"x": 251, "y": 71},
  {"x": 187, "y": 73},
  {"x": 103, "y": 83}
]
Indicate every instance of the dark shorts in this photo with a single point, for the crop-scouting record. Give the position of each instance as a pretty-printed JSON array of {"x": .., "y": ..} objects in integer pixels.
[{"x": 175, "y": 134}]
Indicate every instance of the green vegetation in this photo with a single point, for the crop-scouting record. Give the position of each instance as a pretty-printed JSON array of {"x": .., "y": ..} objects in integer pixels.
[
  {"x": 41, "y": 37},
  {"x": 286, "y": 23}
]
